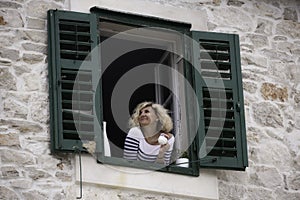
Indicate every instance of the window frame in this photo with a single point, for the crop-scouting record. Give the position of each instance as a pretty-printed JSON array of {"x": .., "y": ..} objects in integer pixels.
[
  {"x": 143, "y": 21},
  {"x": 189, "y": 73}
]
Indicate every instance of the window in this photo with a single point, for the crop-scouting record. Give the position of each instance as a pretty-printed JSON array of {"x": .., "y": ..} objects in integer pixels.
[{"x": 84, "y": 78}]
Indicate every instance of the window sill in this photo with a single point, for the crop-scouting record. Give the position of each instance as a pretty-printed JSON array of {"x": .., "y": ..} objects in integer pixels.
[{"x": 204, "y": 187}]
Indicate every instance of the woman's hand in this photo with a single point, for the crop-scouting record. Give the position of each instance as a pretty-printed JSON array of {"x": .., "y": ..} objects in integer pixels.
[{"x": 163, "y": 138}]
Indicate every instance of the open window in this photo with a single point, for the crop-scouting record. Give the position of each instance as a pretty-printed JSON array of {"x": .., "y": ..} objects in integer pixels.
[
  {"x": 101, "y": 65},
  {"x": 151, "y": 59}
]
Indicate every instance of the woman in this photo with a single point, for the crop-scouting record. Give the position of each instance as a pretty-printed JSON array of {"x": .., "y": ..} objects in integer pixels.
[{"x": 149, "y": 138}]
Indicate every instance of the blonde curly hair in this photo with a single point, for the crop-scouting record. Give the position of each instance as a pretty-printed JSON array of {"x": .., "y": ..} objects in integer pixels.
[{"x": 160, "y": 111}]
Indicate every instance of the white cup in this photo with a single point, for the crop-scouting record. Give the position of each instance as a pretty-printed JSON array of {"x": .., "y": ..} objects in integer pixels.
[{"x": 182, "y": 162}]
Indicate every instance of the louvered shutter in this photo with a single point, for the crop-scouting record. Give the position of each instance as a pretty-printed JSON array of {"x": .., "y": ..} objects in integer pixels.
[
  {"x": 218, "y": 82},
  {"x": 73, "y": 75}
]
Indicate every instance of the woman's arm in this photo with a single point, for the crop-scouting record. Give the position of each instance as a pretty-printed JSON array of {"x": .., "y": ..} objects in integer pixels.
[{"x": 165, "y": 152}]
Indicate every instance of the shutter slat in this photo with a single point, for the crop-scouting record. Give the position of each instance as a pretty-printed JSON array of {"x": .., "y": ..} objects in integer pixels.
[
  {"x": 214, "y": 45},
  {"x": 74, "y": 134},
  {"x": 218, "y": 56},
  {"x": 216, "y": 75},
  {"x": 207, "y": 64}
]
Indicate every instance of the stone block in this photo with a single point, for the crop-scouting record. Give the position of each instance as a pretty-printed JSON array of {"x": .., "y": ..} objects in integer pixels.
[
  {"x": 63, "y": 176},
  {"x": 22, "y": 98},
  {"x": 250, "y": 59},
  {"x": 273, "y": 92},
  {"x": 235, "y": 3},
  {"x": 29, "y": 46},
  {"x": 275, "y": 153},
  {"x": 231, "y": 191},
  {"x": 266, "y": 10},
  {"x": 17, "y": 157},
  {"x": 258, "y": 40},
  {"x": 290, "y": 14},
  {"x": 11, "y": 18},
  {"x": 39, "y": 8},
  {"x": 36, "y": 148},
  {"x": 59, "y": 195},
  {"x": 263, "y": 176},
  {"x": 250, "y": 87},
  {"x": 39, "y": 108},
  {"x": 232, "y": 17},
  {"x": 290, "y": 48},
  {"x": 7, "y": 36},
  {"x": 9, "y": 139},
  {"x": 238, "y": 177},
  {"x": 8, "y": 172},
  {"x": 280, "y": 70},
  {"x": 256, "y": 135},
  {"x": 249, "y": 75},
  {"x": 35, "y": 195},
  {"x": 33, "y": 23},
  {"x": 15, "y": 109},
  {"x": 22, "y": 126},
  {"x": 264, "y": 26},
  {"x": 288, "y": 29},
  {"x": 7, "y": 193},
  {"x": 37, "y": 174},
  {"x": 267, "y": 114},
  {"x": 10, "y": 4},
  {"x": 7, "y": 80},
  {"x": 35, "y": 35},
  {"x": 286, "y": 194},
  {"x": 293, "y": 181},
  {"x": 292, "y": 140},
  {"x": 32, "y": 81},
  {"x": 11, "y": 54},
  {"x": 272, "y": 54},
  {"x": 259, "y": 193},
  {"x": 33, "y": 58},
  {"x": 21, "y": 69},
  {"x": 21, "y": 183},
  {"x": 48, "y": 162}
]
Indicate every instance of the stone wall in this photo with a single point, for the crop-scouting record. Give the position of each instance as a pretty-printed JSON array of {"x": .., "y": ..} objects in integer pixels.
[
  {"x": 270, "y": 43},
  {"x": 27, "y": 170}
]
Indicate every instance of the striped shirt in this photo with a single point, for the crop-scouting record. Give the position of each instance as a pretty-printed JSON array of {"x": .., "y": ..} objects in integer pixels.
[{"x": 137, "y": 148}]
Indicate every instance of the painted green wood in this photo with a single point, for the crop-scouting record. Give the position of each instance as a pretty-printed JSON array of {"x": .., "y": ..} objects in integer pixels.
[
  {"x": 218, "y": 84},
  {"x": 140, "y": 20},
  {"x": 74, "y": 71},
  {"x": 72, "y": 50}
]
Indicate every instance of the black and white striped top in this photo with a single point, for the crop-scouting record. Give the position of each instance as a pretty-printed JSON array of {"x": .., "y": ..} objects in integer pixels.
[{"x": 137, "y": 148}]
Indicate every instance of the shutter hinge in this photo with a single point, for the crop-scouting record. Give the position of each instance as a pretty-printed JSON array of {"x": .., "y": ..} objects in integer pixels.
[
  {"x": 58, "y": 83},
  {"x": 238, "y": 107}
]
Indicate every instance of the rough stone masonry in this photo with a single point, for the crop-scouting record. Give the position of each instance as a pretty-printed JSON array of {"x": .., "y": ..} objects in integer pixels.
[{"x": 270, "y": 50}]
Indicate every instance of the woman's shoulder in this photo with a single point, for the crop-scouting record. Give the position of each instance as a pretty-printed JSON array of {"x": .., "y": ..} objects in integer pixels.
[
  {"x": 135, "y": 132},
  {"x": 171, "y": 138}
]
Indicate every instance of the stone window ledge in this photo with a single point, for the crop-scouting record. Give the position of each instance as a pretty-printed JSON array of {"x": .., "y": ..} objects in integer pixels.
[{"x": 203, "y": 187}]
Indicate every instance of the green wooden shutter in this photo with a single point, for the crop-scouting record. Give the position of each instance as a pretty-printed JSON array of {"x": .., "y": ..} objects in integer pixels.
[
  {"x": 73, "y": 75},
  {"x": 218, "y": 82}
]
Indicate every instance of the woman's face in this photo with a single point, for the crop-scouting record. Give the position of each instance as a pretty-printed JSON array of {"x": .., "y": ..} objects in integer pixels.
[{"x": 147, "y": 116}]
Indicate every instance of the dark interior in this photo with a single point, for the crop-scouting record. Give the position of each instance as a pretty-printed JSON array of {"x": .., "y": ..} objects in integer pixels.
[{"x": 146, "y": 92}]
